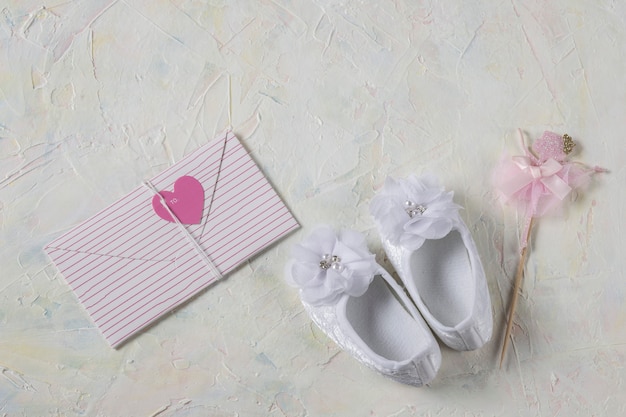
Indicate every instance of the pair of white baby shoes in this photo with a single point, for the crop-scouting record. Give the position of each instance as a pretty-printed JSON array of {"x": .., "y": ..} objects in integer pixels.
[{"x": 360, "y": 306}]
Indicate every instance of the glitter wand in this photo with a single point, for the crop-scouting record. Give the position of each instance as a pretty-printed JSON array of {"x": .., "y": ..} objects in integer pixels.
[{"x": 537, "y": 182}]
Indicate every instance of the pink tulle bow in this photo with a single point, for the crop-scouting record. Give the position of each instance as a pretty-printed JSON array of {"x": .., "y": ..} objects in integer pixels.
[
  {"x": 537, "y": 184},
  {"x": 544, "y": 173}
]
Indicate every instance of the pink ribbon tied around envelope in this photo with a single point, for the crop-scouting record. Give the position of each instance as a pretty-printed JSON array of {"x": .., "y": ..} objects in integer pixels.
[{"x": 183, "y": 206}]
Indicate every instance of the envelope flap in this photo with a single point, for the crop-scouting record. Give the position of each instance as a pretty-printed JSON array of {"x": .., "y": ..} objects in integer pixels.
[
  {"x": 130, "y": 228},
  {"x": 125, "y": 228},
  {"x": 204, "y": 166}
]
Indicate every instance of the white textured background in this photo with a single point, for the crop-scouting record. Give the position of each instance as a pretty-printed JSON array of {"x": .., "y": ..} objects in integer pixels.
[{"x": 329, "y": 97}]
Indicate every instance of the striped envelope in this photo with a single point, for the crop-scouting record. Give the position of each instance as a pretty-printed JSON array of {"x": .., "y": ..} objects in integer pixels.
[{"x": 133, "y": 262}]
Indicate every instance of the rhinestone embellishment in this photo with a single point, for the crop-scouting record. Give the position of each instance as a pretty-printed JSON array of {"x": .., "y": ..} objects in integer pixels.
[
  {"x": 568, "y": 144},
  {"x": 413, "y": 209},
  {"x": 331, "y": 261}
]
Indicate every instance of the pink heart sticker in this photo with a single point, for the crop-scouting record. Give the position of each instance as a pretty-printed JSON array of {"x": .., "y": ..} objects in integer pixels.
[{"x": 186, "y": 201}]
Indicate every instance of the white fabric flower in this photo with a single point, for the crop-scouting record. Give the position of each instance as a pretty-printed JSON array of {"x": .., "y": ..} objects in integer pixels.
[
  {"x": 409, "y": 211},
  {"x": 326, "y": 265}
]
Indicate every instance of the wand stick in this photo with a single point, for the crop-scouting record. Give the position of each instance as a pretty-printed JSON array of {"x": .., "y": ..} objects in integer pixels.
[{"x": 516, "y": 287}]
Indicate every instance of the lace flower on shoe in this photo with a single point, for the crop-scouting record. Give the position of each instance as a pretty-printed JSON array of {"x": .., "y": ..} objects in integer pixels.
[
  {"x": 326, "y": 265},
  {"x": 409, "y": 211}
]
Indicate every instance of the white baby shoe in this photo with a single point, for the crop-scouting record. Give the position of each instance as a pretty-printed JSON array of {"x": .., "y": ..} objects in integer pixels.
[
  {"x": 356, "y": 303},
  {"x": 434, "y": 254}
]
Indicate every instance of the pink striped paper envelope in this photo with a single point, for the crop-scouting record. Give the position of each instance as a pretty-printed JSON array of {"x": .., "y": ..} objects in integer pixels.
[{"x": 131, "y": 263}]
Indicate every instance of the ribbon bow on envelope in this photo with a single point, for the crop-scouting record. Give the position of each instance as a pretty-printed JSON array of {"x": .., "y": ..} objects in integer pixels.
[{"x": 131, "y": 263}]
